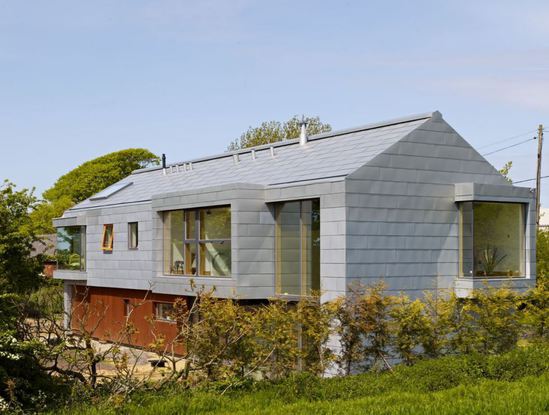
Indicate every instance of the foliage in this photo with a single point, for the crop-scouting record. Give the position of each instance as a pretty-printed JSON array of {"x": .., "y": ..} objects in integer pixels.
[
  {"x": 488, "y": 322},
  {"x": 224, "y": 346},
  {"x": 534, "y": 312},
  {"x": 273, "y": 131},
  {"x": 24, "y": 383},
  {"x": 86, "y": 180},
  {"x": 542, "y": 256},
  {"x": 47, "y": 300},
  {"x": 412, "y": 328},
  {"x": 364, "y": 327},
  {"x": 505, "y": 170},
  {"x": 514, "y": 382},
  {"x": 18, "y": 272}
]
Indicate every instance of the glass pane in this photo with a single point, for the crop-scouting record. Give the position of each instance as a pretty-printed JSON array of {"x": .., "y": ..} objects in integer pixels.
[
  {"x": 173, "y": 242},
  {"x": 215, "y": 258},
  {"x": 466, "y": 241},
  {"x": 190, "y": 254},
  {"x": 107, "y": 242},
  {"x": 498, "y": 237},
  {"x": 164, "y": 311},
  {"x": 191, "y": 224},
  {"x": 215, "y": 223},
  {"x": 288, "y": 248},
  {"x": 133, "y": 237},
  {"x": 70, "y": 252},
  {"x": 313, "y": 281}
]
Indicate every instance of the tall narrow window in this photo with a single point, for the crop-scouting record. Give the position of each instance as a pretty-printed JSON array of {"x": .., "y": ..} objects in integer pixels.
[
  {"x": 215, "y": 242},
  {"x": 174, "y": 226},
  {"x": 133, "y": 235},
  {"x": 127, "y": 307},
  {"x": 107, "y": 240},
  {"x": 298, "y": 247},
  {"x": 491, "y": 239},
  {"x": 198, "y": 242}
]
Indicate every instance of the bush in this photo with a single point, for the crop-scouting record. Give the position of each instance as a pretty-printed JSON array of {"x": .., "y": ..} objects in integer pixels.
[{"x": 47, "y": 300}]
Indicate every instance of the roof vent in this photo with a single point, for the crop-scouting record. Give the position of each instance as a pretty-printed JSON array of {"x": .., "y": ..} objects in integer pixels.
[{"x": 303, "y": 134}]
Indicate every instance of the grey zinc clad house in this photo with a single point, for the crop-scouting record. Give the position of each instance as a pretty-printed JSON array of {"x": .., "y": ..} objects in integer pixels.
[{"x": 407, "y": 201}]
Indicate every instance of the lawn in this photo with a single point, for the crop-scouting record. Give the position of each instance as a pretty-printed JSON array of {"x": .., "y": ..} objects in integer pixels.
[{"x": 517, "y": 382}]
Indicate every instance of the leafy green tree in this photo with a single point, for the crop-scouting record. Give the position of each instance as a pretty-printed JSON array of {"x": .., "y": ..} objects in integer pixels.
[
  {"x": 273, "y": 131},
  {"x": 18, "y": 271},
  {"x": 86, "y": 180},
  {"x": 542, "y": 256}
]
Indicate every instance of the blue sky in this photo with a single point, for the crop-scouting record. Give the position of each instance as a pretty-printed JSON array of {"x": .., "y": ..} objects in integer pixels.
[{"x": 79, "y": 79}]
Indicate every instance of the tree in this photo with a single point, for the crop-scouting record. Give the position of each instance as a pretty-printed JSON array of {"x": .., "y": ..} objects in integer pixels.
[
  {"x": 86, "y": 180},
  {"x": 273, "y": 131},
  {"x": 18, "y": 271},
  {"x": 505, "y": 171}
]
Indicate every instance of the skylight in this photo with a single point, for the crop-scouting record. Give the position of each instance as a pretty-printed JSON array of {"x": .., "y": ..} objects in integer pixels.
[{"x": 109, "y": 191}]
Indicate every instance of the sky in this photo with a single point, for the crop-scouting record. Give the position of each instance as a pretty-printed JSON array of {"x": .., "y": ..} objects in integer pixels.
[{"x": 79, "y": 79}]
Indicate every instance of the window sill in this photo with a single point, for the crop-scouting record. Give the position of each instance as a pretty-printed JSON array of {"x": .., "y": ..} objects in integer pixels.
[
  {"x": 223, "y": 277},
  {"x": 465, "y": 287},
  {"x": 494, "y": 278},
  {"x": 294, "y": 297}
]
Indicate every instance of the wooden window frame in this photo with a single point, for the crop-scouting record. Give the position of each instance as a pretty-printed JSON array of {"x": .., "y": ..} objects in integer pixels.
[
  {"x": 192, "y": 242},
  {"x": 304, "y": 260},
  {"x": 107, "y": 245}
]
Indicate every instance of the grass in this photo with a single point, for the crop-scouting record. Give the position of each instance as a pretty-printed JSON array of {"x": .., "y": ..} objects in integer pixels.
[{"x": 517, "y": 382}]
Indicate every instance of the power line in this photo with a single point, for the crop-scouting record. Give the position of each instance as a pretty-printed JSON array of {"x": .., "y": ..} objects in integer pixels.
[
  {"x": 505, "y": 148},
  {"x": 530, "y": 180},
  {"x": 506, "y": 139}
]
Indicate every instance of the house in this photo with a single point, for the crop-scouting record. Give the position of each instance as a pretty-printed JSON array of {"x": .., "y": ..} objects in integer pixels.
[
  {"x": 44, "y": 247},
  {"x": 407, "y": 201}
]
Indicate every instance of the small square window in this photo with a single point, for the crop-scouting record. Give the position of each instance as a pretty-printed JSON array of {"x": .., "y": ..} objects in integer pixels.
[
  {"x": 164, "y": 312},
  {"x": 108, "y": 237},
  {"x": 133, "y": 235}
]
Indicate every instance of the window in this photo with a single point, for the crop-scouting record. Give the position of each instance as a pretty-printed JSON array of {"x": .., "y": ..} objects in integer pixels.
[
  {"x": 198, "y": 242},
  {"x": 491, "y": 239},
  {"x": 133, "y": 235},
  {"x": 71, "y": 248},
  {"x": 297, "y": 247},
  {"x": 107, "y": 239},
  {"x": 164, "y": 311},
  {"x": 109, "y": 191},
  {"x": 127, "y": 307}
]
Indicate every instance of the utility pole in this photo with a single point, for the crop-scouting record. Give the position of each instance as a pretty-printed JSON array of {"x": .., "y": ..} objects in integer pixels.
[{"x": 538, "y": 175}]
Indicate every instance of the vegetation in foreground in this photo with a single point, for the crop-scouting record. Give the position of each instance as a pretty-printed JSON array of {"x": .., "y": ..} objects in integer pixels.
[{"x": 515, "y": 382}]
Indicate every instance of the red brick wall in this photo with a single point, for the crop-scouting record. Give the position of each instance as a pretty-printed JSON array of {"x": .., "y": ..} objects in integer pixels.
[{"x": 101, "y": 312}]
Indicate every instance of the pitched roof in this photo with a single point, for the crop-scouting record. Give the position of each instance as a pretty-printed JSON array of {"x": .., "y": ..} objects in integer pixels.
[{"x": 326, "y": 156}]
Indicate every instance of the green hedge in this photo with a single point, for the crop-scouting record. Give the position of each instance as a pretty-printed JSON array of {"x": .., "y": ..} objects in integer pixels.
[{"x": 515, "y": 382}]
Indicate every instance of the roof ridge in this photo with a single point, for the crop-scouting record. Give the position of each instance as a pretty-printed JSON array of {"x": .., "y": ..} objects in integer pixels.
[{"x": 371, "y": 126}]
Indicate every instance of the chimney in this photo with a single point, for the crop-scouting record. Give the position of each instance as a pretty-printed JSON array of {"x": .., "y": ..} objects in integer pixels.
[
  {"x": 303, "y": 134},
  {"x": 163, "y": 164}
]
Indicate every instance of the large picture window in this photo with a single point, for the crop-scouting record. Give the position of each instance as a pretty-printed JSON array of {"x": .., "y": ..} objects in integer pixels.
[
  {"x": 491, "y": 239},
  {"x": 297, "y": 247},
  {"x": 71, "y": 248},
  {"x": 198, "y": 242}
]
